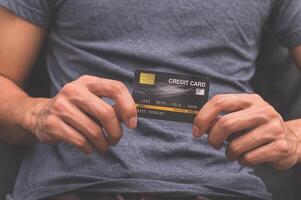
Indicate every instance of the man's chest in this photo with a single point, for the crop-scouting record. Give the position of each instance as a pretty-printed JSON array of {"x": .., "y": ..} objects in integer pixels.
[{"x": 168, "y": 19}]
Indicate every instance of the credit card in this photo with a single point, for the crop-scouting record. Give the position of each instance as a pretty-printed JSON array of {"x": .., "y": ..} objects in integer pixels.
[{"x": 169, "y": 96}]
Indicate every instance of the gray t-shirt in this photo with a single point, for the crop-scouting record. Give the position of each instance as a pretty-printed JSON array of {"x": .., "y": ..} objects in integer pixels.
[{"x": 112, "y": 38}]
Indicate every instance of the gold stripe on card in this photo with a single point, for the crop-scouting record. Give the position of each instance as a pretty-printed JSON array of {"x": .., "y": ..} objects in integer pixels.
[{"x": 164, "y": 108}]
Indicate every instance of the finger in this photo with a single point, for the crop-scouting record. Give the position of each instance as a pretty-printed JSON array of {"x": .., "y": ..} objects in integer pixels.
[
  {"x": 117, "y": 112},
  {"x": 217, "y": 105},
  {"x": 266, "y": 154},
  {"x": 119, "y": 93},
  {"x": 85, "y": 125},
  {"x": 68, "y": 134},
  {"x": 213, "y": 123},
  {"x": 249, "y": 141},
  {"x": 233, "y": 123},
  {"x": 105, "y": 114}
]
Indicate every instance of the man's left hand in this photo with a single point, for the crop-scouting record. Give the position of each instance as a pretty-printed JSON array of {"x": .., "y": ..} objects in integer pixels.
[{"x": 266, "y": 137}]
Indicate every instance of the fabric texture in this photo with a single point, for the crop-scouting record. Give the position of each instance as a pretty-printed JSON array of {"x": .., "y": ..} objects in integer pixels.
[{"x": 112, "y": 38}]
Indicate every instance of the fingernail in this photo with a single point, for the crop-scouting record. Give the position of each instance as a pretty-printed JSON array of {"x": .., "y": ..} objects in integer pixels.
[
  {"x": 132, "y": 123},
  {"x": 196, "y": 132}
]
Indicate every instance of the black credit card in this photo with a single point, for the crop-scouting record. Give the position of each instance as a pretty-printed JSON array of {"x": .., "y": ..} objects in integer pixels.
[{"x": 169, "y": 96}]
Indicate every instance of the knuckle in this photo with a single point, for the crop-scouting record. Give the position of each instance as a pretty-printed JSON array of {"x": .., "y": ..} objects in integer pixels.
[
  {"x": 279, "y": 120},
  {"x": 283, "y": 147},
  {"x": 50, "y": 122},
  {"x": 256, "y": 97},
  {"x": 108, "y": 113},
  {"x": 273, "y": 113},
  {"x": 84, "y": 78},
  {"x": 267, "y": 108},
  {"x": 69, "y": 89},
  {"x": 94, "y": 132},
  {"x": 277, "y": 129},
  {"x": 263, "y": 117},
  {"x": 225, "y": 124},
  {"x": 266, "y": 113},
  {"x": 118, "y": 87},
  {"x": 58, "y": 106},
  {"x": 88, "y": 82},
  {"x": 218, "y": 100}
]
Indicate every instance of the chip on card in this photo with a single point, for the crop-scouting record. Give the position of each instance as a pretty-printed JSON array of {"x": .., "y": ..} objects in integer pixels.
[{"x": 169, "y": 96}]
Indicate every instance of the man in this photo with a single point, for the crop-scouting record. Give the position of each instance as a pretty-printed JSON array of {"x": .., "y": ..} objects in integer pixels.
[{"x": 93, "y": 48}]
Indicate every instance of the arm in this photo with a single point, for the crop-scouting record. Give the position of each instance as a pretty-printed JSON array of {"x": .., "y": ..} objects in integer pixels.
[
  {"x": 76, "y": 115},
  {"x": 19, "y": 45}
]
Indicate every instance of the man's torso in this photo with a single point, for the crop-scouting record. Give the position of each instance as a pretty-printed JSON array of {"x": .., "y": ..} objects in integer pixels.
[{"x": 112, "y": 38}]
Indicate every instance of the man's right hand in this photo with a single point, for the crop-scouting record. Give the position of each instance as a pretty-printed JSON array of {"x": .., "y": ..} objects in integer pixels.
[{"x": 78, "y": 115}]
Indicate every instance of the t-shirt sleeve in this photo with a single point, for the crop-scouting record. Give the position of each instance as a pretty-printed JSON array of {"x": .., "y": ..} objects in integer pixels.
[
  {"x": 37, "y": 12},
  {"x": 286, "y": 22}
]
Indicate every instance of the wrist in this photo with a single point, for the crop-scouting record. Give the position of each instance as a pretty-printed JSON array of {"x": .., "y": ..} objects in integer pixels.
[
  {"x": 294, "y": 127},
  {"x": 298, "y": 153},
  {"x": 298, "y": 150},
  {"x": 30, "y": 110},
  {"x": 15, "y": 120}
]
